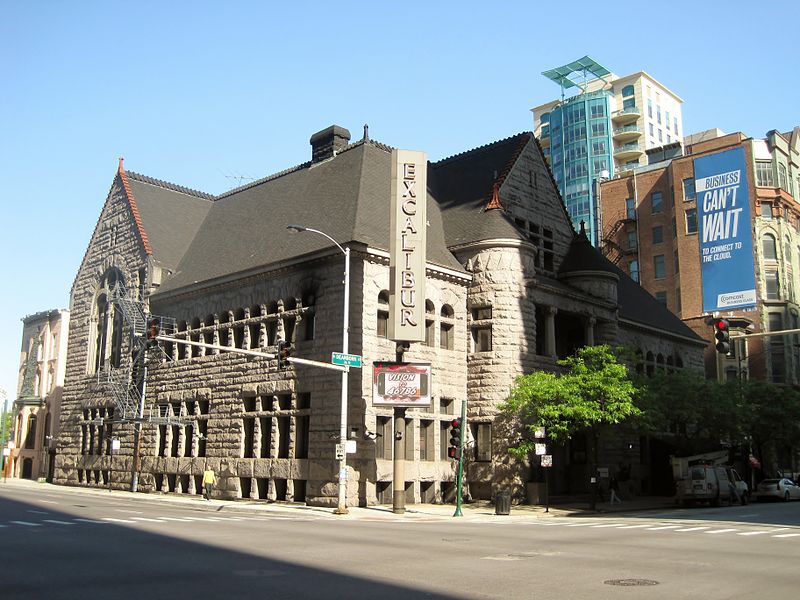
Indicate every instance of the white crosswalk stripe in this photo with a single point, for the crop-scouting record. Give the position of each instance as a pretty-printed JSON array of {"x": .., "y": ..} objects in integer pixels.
[
  {"x": 721, "y": 530},
  {"x": 691, "y": 529},
  {"x": 786, "y": 535},
  {"x": 148, "y": 519},
  {"x": 26, "y": 523},
  {"x": 57, "y": 522},
  {"x": 663, "y": 527}
]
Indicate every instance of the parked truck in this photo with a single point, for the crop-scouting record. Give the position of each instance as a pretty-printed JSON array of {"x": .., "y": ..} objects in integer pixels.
[{"x": 707, "y": 478}]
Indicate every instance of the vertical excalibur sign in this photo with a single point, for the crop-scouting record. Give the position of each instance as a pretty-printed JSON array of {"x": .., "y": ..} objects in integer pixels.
[
  {"x": 726, "y": 236},
  {"x": 407, "y": 258}
]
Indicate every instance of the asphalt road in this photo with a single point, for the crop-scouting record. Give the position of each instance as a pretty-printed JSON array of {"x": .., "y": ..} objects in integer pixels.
[{"x": 64, "y": 544}]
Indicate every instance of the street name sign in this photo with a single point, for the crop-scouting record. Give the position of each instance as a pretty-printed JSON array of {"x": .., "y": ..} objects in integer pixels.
[{"x": 348, "y": 360}]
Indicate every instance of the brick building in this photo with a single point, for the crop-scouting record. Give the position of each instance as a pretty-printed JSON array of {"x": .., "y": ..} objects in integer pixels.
[
  {"x": 510, "y": 288},
  {"x": 651, "y": 231}
]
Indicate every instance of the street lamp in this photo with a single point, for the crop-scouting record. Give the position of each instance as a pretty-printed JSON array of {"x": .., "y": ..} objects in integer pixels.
[{"x": 341, "y": 508}]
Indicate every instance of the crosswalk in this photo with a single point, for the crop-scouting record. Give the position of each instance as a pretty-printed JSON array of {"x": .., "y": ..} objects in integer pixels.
[
  {"x": 63, "y": 521},
  {"x": 744, "y": 530}
]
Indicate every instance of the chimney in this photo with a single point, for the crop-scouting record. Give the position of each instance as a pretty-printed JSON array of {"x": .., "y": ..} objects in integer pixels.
[{"x": 328, "y": 142}]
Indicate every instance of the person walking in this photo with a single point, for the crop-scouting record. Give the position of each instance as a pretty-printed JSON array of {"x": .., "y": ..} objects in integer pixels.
[
  {"x": 209, "y": 481},
  {"x": 613, "y": 487}
]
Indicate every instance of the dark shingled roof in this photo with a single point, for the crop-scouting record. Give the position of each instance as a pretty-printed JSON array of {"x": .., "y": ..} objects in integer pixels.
[
  {"x": 346, "y": 196},
  {"x": 582, "y": 256},
  {"x": 463, "y": 186},
  {"x": 171, "y": 216}
]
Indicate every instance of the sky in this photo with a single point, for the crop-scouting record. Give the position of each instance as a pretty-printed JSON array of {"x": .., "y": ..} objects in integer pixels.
[{"x": 210, "y": 95}]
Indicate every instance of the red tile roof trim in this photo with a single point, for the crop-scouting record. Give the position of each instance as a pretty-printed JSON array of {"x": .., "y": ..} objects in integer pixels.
[
  {"x": 134, "y": 208},
  {"x": 495, "y": 203}
]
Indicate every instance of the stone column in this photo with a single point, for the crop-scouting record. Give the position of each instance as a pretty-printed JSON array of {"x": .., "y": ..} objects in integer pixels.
[
  {"x": 215, "y": 339},
  {"x": 590, "y": 323},
  {"x": 550, "y": 331}
]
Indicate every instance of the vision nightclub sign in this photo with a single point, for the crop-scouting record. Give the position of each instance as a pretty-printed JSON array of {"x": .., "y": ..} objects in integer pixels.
[{"x": 726, "y": 237}]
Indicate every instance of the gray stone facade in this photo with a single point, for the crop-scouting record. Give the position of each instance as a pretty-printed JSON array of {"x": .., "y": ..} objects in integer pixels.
[{"x": 498, "y": 305}]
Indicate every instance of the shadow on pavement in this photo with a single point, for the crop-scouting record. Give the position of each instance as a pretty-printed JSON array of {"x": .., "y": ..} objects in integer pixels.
[{"x": 106, "y": 560}]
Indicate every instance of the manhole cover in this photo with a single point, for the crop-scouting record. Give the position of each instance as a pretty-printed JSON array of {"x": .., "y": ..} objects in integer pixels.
[{"x": 630, "y": 582}]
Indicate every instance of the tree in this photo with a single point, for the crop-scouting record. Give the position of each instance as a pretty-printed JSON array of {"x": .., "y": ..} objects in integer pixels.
[{"x": 594, "y": 390}]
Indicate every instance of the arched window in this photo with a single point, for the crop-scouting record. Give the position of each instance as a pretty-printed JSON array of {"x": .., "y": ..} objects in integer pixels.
[
  {"x": 289, "y": 321},
  {"x": 446, "y": 327},
  {"x": 238, "y": 329},
  {"x": 628, "y": 90},
  {"x": 383, "y": 314},
  {"x": 107, "y": 322},
  {"x": 769, "y": 249},
  {"x": 272, "y": 326},
  {"x": 195, "y": 335},
  {"x": 650, "y": 364},
  {"x": 255, "y": 328}
]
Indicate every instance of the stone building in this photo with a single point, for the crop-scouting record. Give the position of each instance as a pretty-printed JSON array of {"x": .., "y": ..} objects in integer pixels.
[
  {"x": 39, "y": 388},
  {"x": 510, "y": 288},
  {"x": 651, "y": 231}
]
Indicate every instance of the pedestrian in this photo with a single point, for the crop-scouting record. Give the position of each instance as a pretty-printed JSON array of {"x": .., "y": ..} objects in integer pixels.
[
  {"x": 209, "y": 481},
  {"x": 613, "y": 486}
]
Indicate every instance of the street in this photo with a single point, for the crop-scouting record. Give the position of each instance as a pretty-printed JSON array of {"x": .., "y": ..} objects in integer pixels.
[{"x": 66, "y": 543}]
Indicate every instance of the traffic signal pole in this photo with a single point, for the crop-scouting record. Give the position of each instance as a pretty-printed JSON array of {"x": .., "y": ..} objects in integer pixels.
[{"x": 460, "y": 467}]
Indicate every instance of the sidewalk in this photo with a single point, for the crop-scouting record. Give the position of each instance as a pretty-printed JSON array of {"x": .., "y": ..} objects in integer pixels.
[{"x": 414, "y": 512}]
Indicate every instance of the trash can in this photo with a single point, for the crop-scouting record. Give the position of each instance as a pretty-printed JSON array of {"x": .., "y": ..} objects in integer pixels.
[{"x": 502, "y": 503}]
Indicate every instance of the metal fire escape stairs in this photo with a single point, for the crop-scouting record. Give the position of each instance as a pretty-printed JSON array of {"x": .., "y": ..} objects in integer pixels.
[{"x": 127, "y": 383}]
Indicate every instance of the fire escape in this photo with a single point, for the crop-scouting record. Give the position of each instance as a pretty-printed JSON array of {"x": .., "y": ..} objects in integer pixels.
[
  {"x": 612, "y": 249},
  {"x": 127, "y": 382}
]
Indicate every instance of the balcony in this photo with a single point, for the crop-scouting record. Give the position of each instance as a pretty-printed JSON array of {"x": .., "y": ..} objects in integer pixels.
[
  {"x": 626, "y": 115},
  {"x": 544, "y": 140},
  {"x": 628, "y": 151},
  {"x": 627, "y": 133}
]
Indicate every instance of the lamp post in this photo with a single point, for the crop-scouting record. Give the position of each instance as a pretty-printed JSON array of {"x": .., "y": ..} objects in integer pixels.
[{"x": 341, "y": 508}]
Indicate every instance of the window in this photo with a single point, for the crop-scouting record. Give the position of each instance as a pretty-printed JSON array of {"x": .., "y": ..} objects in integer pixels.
[
  {"x": 676, "y": 263},
  {"x": 782, "y": 180},
  {"x": 689, "y": 192},
  {"x": 675, "y": 125},
  {"x": 660, "y": 136},
  {"x": 383, "y": 314},
  {"x": 633, "y": 243},
  {"x": 598, "y": 129},
  {"x": 658, "y": 114},
  {"x": 691, "y": 220},
  {"x": 482, "y": 433},
  {"x": 652, "y": 130},
  {"x": 658, "y": 234},
  {"x": 446, "y": 327},
  {"x": 634, "y": 270},
  {"x": 769, "y": 249},
  {"x": 772, "y": 285},
  {"x": 766, "y": 210},
  {"x": 764, "y": 173},
  {"x": 384, "y": 437},
  {"x": 656, "y": 201},
  {"x": 427, "y": 449},
  {"x": 597, "y": 111},
  {"x": 659, "y": 271},
  {"x": 107, "y": 323},
  {"x": 482, "y": 329},
  {"x": 662, "y": 298},
  {"x": 430, "y": 324},
  {"x": 666, "y": 119},
  {"x": 650, "y": 111},
  {"x": 599, "y": 147},
  {"x": 630, "y": 208},
  {"x": 628, "y": 103}
]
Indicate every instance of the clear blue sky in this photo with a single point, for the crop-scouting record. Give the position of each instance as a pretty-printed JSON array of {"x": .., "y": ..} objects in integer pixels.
[{"x": 199, "y": 94}]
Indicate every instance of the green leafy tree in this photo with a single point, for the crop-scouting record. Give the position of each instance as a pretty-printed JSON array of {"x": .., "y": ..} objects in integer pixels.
[{"x": 593, "y": 391}]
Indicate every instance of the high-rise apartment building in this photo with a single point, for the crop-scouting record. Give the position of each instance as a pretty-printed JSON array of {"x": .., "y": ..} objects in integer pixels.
[
  {"x": 652, "y": 228},
  {"x": 602, "y": 130}
]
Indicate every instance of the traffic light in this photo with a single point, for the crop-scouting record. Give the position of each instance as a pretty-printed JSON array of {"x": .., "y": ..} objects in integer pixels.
[
  {"x": 153, "y": 330},
  {"x": 284, "y": 352},
  {"x": 454, "y": 451},
  {"x": 722, "y": 335}
]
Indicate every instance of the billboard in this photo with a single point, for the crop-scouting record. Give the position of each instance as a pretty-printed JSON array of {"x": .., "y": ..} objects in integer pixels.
[
  {"x": 407, "y": 230},
  {"x": 401, "y": 384},
  {"x": 725, "y": 230}
]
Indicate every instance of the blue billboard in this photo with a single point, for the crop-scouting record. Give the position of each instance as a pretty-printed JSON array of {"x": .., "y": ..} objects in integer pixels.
[{"x": 725, "y": 229}]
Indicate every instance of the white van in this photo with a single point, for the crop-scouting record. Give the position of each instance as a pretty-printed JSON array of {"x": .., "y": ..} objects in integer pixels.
[{"x": 705, "y": 483}]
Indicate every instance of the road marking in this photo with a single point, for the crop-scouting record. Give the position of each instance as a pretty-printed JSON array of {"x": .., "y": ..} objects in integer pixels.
[
  {"x": 133, "y": 512},
  {"x": 117, "y": 520},
  {"x": 633, "y": 526},
  {"x": 762, "y": 532},
  {"x": 91, "y": 521},
  {"x": 176, "y": 519},
  {"x": 48, "y": 501},
  {"x": 783, "y": 535},
  {"x": 582, "y": 524},
  {"x": 148, "y": 519},
  {"x": 663, "y": 527},
  {"x": 204, "y": 519},
  {"x": 721, "y": 530},
  {"x": 1, "y": 525},
  {"x": 606, "y": 525},
  {"x": 39, "y": 512},
  {"x": 57, "y": 522},
  {"x": 26, "y": 523},
  {"x": 692, "y": 529}
]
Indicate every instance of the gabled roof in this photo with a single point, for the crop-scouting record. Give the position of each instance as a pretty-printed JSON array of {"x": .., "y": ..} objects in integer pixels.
[
  {"x": 346, "y": 196},
  {"x": 168, "y": 216},
  {"x": 464, "y": 187}
]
